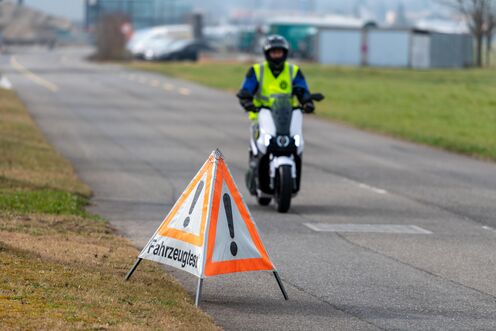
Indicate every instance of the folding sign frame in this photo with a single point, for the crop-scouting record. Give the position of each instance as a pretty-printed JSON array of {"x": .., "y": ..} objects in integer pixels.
[{"x": 219, "y": 237}]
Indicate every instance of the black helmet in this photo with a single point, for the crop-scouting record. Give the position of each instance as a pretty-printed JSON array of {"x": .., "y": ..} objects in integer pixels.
[{"x": 276, "y": 42}]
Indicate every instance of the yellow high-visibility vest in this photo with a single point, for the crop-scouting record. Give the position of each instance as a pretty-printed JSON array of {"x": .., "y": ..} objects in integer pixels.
[{"x": 270, "y": 86}]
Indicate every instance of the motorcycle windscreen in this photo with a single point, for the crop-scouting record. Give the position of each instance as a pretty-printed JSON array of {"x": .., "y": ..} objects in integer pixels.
[{"x": 282, "y": 111}]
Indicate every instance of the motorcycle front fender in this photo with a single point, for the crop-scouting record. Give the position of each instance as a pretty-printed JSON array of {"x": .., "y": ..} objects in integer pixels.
[{"x": 278, "y": 161}]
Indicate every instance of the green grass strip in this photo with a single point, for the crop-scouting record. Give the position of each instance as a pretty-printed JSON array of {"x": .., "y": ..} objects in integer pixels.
[{"x": 43, "y": 202}]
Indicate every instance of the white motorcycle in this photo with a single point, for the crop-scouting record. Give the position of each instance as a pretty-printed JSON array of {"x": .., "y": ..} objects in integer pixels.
[{"x": 276, "y": 153}]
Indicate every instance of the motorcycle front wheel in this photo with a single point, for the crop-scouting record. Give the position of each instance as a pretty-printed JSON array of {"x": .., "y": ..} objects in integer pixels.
[{"x": 283, "y": 189}]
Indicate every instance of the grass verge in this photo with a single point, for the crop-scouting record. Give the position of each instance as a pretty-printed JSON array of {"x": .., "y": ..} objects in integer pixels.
[
  {"x": 62, "y": 268},
  {"x": 450, "y": 109}
]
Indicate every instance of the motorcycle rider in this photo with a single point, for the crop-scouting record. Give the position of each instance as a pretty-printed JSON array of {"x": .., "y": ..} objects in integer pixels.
[{"x": 273, "y": 77}]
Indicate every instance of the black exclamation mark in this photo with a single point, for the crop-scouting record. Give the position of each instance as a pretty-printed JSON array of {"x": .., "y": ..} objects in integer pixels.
[
  {"x": 230, "y": 222},
  {"x": 195, "y": 199}
]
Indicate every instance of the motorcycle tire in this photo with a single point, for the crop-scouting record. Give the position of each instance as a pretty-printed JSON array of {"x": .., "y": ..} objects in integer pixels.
[
  {"x": 250, "y": 183},
  {"x": 283, "y": 189}
]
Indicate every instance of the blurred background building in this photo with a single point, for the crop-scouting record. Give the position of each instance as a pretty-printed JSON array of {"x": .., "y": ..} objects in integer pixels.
[
  {"x": 392, "y": 33},
  {"x": 140, "y": 13},
  {"x": 349, "y": 41}
]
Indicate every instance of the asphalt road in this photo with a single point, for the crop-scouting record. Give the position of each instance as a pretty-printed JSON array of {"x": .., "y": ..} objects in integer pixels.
[{"x": 138, "y": 138}]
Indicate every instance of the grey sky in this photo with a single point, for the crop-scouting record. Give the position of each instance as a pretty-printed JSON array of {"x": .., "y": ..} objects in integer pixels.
[{"x": 74, "y": 9}]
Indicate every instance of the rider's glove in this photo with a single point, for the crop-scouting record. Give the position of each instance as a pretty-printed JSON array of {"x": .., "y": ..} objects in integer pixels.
[
  {"x": 246, "y": 100},
  {"x": 308, "y": 107},
  {"x": 248, "y": 105}
]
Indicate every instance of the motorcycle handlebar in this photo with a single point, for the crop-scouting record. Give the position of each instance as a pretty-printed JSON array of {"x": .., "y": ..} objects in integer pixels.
[
  {"x": 314, "y": 96},
  {"x": 317, "y": 97}
]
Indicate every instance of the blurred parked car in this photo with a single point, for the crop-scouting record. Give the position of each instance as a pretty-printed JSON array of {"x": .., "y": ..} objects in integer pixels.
[
  {"x": 177, "y": 50},
  {"x": 164, "y": 43}
]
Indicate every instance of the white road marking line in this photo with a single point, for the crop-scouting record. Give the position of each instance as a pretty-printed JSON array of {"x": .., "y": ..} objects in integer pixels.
[
  {"x": 155, "y": 83},
  {"x": 142, "y": 80},
  {"x": 367, "y": 187},
  {"x": 169, "y": 87},
  {"x": 184, "y": 91},
  {"x": 5, "y": 83},
  {"x": 374, "y": 189},
  {"x": 64, "y": 60},
  {"x": 421, "y": 230},
  {"x": 489, "y": 228},
  {"x": 33, "y": 77},
  {"x": 367, "y": 228}
]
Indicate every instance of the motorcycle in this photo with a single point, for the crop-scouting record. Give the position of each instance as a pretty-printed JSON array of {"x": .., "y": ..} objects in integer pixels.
[{"x": 276, "y": 153}]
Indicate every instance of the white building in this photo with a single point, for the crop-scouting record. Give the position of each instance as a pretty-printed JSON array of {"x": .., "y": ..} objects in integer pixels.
[{"x": 402, "y": 48}]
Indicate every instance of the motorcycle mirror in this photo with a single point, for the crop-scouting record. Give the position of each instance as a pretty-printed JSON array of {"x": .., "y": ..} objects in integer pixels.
[{"x": 317, "y": 97}]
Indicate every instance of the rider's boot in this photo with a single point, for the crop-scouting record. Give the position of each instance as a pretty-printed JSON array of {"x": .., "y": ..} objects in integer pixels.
[
  {"x": 251, "y": 180},
  {"x": 250, "y": 174}
]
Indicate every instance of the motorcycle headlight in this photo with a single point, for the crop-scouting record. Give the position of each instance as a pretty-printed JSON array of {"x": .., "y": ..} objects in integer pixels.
[
  {"x": 297, "y": 140},
  {"x": 267, "y": 139}
]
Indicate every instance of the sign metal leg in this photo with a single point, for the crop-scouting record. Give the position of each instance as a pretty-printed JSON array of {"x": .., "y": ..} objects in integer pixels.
[
  {"x": 281, "y": 285},
  {"x": 133, "y": 268},
  {"x": 198, "y": 292}
]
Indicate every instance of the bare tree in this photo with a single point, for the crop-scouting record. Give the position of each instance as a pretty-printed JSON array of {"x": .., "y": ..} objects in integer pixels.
[
  {"x": 476, "y": 12},
  {"x": 110, "y": 40},
  {"x": 490, "y": 31}
]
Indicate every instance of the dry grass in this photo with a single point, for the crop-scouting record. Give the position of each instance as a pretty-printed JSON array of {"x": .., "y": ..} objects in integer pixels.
[
  {"x": 26, "y": 161},
  {"x": 67, "y": 272},
  {"x": 61, "y": 268}
]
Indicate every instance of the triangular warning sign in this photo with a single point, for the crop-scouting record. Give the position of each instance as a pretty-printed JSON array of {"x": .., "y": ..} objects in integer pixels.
[
  {"x": 233, "y": 241},
  {"x": 210, "y": 207},
  {"x": 209, "y": 231}
]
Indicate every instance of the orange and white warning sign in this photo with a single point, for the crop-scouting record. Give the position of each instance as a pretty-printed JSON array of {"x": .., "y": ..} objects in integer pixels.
[{"x": 209, "y": 231}]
